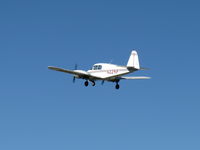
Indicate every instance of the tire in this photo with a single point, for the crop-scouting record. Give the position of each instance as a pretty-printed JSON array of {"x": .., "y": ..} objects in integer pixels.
[
  {"x": 86, "y": 83},
  {"x": 93, "y": 83},
  {"x": 117, "y": 86}
]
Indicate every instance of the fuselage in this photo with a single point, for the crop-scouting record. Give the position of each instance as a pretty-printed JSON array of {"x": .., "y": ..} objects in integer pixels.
[{"x": 108, "y": 71}]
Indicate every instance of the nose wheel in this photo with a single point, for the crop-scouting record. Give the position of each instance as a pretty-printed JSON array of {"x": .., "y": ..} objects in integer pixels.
[{"x": 117, "y": 86}]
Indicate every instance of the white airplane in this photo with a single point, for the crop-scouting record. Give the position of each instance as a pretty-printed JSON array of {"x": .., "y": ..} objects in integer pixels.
[{"x": 106, "y": 71}]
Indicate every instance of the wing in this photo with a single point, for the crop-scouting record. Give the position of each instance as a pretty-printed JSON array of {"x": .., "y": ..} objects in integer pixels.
[
  {"x": 80, "y": 73},
  {"x": 134, "y": 78}
]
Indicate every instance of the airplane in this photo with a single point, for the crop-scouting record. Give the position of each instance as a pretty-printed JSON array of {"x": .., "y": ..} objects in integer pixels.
[{"x": 106, "y": 71}]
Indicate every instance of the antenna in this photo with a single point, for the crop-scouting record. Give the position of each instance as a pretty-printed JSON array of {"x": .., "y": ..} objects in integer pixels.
[{"x": 111, "y": 61}]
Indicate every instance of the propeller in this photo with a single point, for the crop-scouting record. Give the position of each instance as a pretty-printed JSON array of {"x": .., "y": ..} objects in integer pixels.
[{"x": 75, "y": 68}]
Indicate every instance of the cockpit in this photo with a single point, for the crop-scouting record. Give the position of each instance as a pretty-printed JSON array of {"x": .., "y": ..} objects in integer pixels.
[{"x": 97, "y": 67}]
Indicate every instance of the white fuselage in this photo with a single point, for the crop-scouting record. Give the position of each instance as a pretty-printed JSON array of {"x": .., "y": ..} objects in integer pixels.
[
  {"x": 105, "y": 71},
  {"x": 108, "y": 71}
]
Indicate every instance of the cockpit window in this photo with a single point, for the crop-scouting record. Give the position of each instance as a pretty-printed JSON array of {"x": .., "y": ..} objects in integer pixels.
[
  {"x": 94, "y": 67},
  {"x": 97, "y": 67}
]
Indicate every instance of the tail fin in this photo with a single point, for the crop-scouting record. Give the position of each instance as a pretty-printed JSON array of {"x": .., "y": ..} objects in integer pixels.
[{"x": 133, "y": 60}]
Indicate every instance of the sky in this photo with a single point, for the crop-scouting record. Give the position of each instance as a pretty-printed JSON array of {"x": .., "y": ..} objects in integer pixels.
[{"x": 42, "y": 109}]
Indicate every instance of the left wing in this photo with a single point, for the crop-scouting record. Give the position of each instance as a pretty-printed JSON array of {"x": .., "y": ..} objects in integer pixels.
[
  {"x": 81, "y": 73},
  {"x": 134, "y": 78}
]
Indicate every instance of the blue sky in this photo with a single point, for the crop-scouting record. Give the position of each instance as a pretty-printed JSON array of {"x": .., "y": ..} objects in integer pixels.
[{"x": 42, "y": 109}]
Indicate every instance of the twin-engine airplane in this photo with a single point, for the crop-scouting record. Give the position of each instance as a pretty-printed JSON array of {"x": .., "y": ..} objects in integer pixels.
[{"x": 106, "y": 71}]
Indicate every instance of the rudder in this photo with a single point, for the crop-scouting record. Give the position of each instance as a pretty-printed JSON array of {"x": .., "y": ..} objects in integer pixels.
[{"x": 133, "y": 60}]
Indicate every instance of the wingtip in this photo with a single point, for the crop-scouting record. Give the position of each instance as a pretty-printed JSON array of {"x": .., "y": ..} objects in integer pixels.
[
  {"x": 51, "y": 67},
  {"x": 144, "y": 68}
]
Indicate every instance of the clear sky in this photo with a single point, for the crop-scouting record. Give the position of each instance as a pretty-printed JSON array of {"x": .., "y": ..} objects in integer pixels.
[{"x": 42, "y": 109}]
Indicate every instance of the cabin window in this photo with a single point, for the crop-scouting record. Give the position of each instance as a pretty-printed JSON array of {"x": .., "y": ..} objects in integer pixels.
[{"x": 97, "y": 67}]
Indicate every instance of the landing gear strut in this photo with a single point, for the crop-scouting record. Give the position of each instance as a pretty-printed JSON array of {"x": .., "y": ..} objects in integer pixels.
[
  {"x": 93, "y": 83},
  {"x": 86, "y": 83}
]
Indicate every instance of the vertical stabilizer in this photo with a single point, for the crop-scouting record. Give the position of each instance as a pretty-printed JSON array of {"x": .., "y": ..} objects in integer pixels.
[{"x": 133, "y": 60}]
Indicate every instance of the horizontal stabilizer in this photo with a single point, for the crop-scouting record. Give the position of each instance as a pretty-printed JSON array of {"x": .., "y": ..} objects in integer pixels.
[{"x": 135, "y": 78}]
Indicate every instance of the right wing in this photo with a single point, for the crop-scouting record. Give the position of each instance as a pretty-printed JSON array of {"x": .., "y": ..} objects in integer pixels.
[
  {"x": 135, "y": 78},
  {"x": 80, "y": 73}
]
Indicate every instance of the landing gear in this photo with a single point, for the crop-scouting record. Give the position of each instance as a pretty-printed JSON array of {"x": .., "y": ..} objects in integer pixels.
[
  {"x": 86, "y": 83},
  {"x": 117, "y": 86},
  {"x": 93, "y": 83}
]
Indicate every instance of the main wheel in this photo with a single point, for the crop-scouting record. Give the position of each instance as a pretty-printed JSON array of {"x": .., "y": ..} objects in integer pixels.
[
  {"x": 117, "y": 86},
  {"x": 93, "y": 83},
  {"x": 86, "y": 83}
]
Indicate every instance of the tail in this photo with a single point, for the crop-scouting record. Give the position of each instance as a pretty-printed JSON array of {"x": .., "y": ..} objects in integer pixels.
[{"x": 133, "y": 60}]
